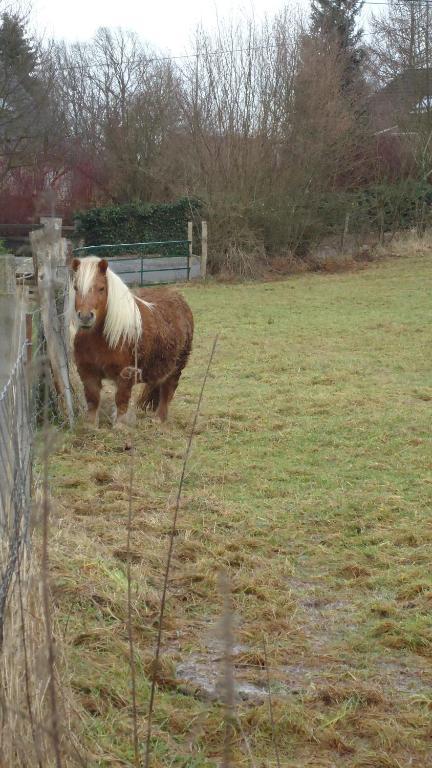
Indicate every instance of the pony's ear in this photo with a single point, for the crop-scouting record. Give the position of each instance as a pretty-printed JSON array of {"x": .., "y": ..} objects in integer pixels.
[
  {"x": 103, "y": 266},
  {"x": 75, "y": 264}
]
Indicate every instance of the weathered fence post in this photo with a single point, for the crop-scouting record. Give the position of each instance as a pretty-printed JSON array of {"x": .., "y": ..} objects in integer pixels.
[
  {"x": 8, "y": 356},
  {"x": 203, "y": 249},
  {"x": 190, "y": 237},
  {"x": 381, "y": 226},
  {"x": 345, "y": 232},
  {"x": 50, "y": 251},
  {"x": 13, "y": 437},
  {"x": 8, "y": 302}
]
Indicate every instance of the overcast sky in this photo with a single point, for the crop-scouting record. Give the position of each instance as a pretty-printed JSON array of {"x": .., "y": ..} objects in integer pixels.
[{"x": 166, "y": 24}]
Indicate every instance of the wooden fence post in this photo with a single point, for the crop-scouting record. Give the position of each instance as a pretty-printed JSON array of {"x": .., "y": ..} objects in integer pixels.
[
  {"x": 190, "y": 238},
  {"x": 203, "y": 249},
  {"x": 381, "y": 225},
  {"x": 50, "y": 251},
  {"x": 345, "y": 232},
  {"x": 8, "y": 318},
  {"x": 8, "y": 355}
]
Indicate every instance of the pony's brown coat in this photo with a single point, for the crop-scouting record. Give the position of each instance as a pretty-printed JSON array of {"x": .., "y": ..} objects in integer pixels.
[{"x": 160, "y": 353}]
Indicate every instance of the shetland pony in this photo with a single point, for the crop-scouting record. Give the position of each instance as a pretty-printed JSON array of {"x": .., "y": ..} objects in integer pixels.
[{"x": 127, "y": 338}]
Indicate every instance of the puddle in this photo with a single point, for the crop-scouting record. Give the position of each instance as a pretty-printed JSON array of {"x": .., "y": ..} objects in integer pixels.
[
  {"x": 327, "y": 625},
  {"x": 205, "y": 674}
]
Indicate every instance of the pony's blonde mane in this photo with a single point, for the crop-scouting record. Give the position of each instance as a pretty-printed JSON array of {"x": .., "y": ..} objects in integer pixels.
[{"x": 123, "y": 321}]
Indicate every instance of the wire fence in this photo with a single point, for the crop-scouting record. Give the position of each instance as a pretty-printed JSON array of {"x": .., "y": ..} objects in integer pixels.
[
  {"x": 16, "y": 439},
  {"x": 22, "y": 683},
  {"x": 31, "y": 409}
]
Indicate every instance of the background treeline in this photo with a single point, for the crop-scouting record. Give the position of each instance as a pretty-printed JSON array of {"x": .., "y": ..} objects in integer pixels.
[{"x": 287, "y": 132}]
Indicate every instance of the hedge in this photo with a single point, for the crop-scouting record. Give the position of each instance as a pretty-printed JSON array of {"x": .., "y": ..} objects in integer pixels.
[
  {"x": 301, "y": 223},
  {"x": 137, "y": 222},
  {"x": 390, "y": 207},
  {"x": 279, "y": 223}
]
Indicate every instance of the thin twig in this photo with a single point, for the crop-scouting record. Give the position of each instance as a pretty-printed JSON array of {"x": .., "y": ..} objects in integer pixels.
[
  {"x": 169, "y": 556},
  {"x": 272, "y": 722},
  {"x": 129, "y": 617},
  {"x": 246, "y": 741},
  {"x": 228, "y": 680},
  {"x": 129, "y": 586},
  {"x": 45, "y": 586}
]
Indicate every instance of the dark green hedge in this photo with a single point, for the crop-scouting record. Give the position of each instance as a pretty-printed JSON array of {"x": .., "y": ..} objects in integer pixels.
[
  {"x": 302, "y": 223},
  {"x": 390, "y": 207},
  {"x": 137, "y": 222},
  {"x": 396, "y": 206}
]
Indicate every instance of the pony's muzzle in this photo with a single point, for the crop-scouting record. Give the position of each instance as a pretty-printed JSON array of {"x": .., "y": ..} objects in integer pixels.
[{"x": 86, "y": 319}]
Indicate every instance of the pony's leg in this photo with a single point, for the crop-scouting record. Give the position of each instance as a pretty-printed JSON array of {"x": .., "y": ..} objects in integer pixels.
[
  {"x": 92, "y": 390},
  {"x": 122, "y": 399},
  {"x": 167, "y": 389},
  {"x": 149, "y": 398}
]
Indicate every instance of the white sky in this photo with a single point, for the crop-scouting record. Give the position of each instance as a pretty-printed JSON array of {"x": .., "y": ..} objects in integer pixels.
[{"x": 166, "y": 24}]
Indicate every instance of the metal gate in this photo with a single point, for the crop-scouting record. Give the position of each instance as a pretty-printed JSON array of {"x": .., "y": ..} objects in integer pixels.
[{"x": 166, "y": 261}]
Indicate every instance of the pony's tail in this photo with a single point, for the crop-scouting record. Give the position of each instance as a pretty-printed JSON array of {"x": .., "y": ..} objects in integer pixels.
[{"x": 149, "y": 400}]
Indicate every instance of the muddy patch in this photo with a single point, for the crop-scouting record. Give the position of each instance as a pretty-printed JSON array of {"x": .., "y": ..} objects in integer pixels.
[
  {"x": 329, "y": 625},
  {"x": 205, "y": 673},
  {"x": 205, "y": 676}
]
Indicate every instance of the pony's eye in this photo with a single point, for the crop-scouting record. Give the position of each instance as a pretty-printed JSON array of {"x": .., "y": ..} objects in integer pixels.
[
  {"x": 75, "y": 288},
  {"x": 101, "y": 290}
]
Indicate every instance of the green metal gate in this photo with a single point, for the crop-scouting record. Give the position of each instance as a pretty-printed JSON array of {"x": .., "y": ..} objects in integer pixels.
[{"x": 140, "y": 253}]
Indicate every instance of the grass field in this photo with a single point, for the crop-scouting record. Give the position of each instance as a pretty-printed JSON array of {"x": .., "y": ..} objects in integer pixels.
[{"x": 310, "y": 483}]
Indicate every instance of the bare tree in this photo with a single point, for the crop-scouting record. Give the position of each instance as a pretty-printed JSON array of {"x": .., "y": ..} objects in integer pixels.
[
  {"x": 236, "y": 105},
  {"x": 400, "y": 38},
  {"x": 119, "y": 104},
  {"x": 400, "y": 58}
]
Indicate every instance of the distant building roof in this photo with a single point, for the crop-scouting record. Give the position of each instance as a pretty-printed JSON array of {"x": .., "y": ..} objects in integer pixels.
[
  {"x": 408, "y": 90},
  {"x": 408, "y": 93}
]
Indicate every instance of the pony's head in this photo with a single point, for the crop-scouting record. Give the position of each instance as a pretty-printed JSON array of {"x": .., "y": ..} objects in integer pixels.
[
  {"x": 102, "y": 300},
  {"x": 90, "y": 285}
]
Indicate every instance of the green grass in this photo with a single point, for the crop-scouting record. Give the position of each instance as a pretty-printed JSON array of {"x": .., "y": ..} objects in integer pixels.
[{"x": 310, "y": 482}]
